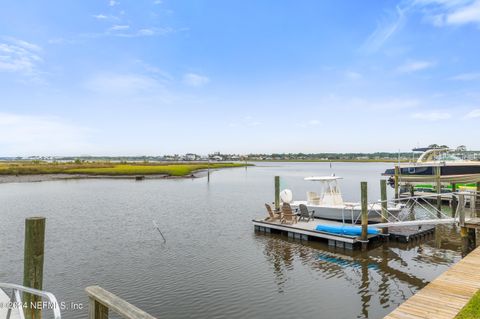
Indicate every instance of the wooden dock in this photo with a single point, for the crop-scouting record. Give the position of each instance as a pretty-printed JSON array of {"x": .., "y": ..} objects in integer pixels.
[
  {"x": 307, "y": 231},
  {"x": 444, "y": 297}
]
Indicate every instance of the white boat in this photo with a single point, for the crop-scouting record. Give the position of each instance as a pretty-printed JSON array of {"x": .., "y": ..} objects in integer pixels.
[
  {"x": 437, "y": 163},
  {"x": 329, "y": 204}
]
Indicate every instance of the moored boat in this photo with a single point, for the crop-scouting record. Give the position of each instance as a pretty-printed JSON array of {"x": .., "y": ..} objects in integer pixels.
[
  {"x": 328, "y": 203},
  {"x": 437, "y": 164}
]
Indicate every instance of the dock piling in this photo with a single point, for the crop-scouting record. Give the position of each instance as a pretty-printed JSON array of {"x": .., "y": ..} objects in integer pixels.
[
  {"x": 383, "y": 196},
  {"x": 364, "y": 200},
  {"x": 277, "y": 192},
  {"x": 439, "y": 190},
  {"x": 397, "y": 173},
  {"x": 33, "y": 264},
  {"x": 467, "y": 234},
  {"x": 454, "y": 200},
  {"x": 477, "y": 201}
]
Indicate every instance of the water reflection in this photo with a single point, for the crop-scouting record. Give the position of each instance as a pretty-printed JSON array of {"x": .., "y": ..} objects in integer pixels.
[{"x": 384, "y": 276}]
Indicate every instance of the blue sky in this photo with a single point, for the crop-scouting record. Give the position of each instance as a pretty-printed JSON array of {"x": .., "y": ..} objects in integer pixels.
[{"x": 119, "y": 77}]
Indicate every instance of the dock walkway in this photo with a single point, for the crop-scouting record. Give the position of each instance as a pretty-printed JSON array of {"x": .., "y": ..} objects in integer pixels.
[{"x": 444, "y": 297}]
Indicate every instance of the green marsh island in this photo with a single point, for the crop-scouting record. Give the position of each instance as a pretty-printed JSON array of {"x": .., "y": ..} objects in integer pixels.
[{"x": 39, "y": 171}]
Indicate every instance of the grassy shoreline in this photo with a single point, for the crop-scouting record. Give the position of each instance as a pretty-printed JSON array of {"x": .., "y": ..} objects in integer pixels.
[
  {"x": 109, "y": 169},
  {"x": 471, "y": 309}
]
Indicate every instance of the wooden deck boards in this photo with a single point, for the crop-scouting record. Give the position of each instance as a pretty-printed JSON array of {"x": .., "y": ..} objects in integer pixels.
[{"x": 444, "y": 297}]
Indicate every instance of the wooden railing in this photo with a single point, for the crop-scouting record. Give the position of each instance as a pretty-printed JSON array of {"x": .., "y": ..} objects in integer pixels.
[{"x": 101, "y": 301}]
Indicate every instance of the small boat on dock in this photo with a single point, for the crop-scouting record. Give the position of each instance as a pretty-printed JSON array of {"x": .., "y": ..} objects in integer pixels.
[{"x": 329, "y": 203}]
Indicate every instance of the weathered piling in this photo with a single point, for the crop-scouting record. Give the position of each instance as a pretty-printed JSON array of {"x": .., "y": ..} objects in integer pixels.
[
  {"x": 364, "y": 200},
  {"x": 467, "y": 234},
  {"x": 208, "y": 172},
  {"x": 477, "y": 201},
  {"x": 383, "y": 197},
  {"x": 439, "y": 190},
  {"x": 33, "y": 264},
  {"x": 397, "y": 181},
  {"x": 454, "y": 199},
  {"x": 277, "y": 192}
]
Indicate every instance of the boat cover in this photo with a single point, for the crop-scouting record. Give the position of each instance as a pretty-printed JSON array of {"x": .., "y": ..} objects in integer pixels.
[{"x": 346, "y": 230}]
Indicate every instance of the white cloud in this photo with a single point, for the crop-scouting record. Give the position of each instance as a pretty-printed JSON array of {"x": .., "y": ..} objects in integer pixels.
[
  {"x": 146, "y": 32},
  {"x": 431, "y": 116},
  {"x": 464, "y": 15},
  {"x": 121, "y": 84},
  {"x": 113, "y": 3},
  {"x": 100, "y": 16},
  {"x": 119, "y": 27},
  {"x": 125, "y": 31},
  {"x": 40, "y": 135},
  {"x": 450, "y": 12},
  {"x": 414, "y": 66},
  {"x": 313, "y": 122},
  {"x": 386, "y": 28},
  {"x": 21, "y": 57},
  {"x": 466, "y": 77},
  {"x": 437, "y": 12},
  {"x": 157, "y": 2},
  {"x": 473, "y": 114},
  {"x": 195, "y": 80}
]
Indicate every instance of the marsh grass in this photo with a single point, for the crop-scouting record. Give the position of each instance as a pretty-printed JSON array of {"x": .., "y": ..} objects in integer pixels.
[
  {"x": 471, "y": 309},
  {"x": 101, "y": 168}
]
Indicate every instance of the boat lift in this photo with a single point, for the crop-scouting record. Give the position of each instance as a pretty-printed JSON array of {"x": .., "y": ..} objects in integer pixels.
[{"x": 431, "y": 215}]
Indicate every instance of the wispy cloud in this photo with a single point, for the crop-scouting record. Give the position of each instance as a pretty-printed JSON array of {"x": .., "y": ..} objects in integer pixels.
[
  {"x": 466, "y": 77},
  {"x": 157, "y": 2},
  {"x": 431, "y": 116},
  {"x": 414, "y": 66},
  {"x": 437, "y": 12},
  {"x": 386, "y": 28},
  {"x": 121, "y": 84},
  {"x": 105, "y": 17},
  {"x": 155, "y": 72},
  {"x": 195, "y": 80},
  {"x": 118, "y": 27},
  {"x": 126, "y": 31},
  {"x": 40, "y": 135},
  {"x": 450, "y": 12},
  {"x": 473, "y": 114},
  {"x": 100, "y": 16},
  {"x": 113, "y": 3},
  {"x": 21, "y": 57}
]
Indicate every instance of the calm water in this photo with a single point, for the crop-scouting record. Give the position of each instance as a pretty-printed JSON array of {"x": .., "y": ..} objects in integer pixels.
[{"x": 213, "y": 265}]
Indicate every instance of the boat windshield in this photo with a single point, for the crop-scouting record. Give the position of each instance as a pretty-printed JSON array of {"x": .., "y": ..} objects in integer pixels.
[{"x": 447, "y": 157}]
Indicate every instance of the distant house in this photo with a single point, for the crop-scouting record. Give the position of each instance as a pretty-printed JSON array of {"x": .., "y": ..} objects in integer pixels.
[{"x": 191, "y": 157}]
